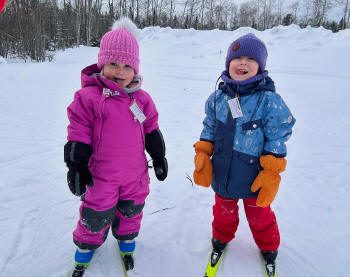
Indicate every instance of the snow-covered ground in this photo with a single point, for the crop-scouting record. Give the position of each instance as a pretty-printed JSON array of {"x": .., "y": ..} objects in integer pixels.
[{"x": 180, "y": 68}]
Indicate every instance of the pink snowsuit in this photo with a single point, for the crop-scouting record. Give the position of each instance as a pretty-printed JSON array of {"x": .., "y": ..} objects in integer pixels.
[{"x": 100, "y": 116}]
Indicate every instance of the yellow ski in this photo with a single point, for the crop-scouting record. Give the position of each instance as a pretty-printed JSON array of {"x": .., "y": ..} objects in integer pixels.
[{"x": 213, "y": 263}]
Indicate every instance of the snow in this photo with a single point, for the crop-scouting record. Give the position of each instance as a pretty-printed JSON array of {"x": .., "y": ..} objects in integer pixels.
[{"x": 180, "y": 67}]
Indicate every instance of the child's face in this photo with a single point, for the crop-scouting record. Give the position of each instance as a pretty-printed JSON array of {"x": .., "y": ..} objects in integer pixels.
[
  {"x": 120, "y": 73},
  {"x": 243, "y": 68}
]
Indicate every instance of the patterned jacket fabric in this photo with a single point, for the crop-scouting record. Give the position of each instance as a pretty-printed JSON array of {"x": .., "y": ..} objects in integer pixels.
[{"x": 264, "y": 128}]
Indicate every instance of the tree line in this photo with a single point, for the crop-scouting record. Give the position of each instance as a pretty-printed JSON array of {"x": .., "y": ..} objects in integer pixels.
[{"x": 35, "y": 29}]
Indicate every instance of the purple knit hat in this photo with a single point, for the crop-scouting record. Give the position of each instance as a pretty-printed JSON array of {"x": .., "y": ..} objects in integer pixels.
[
  {"x": 120, "y": 45},
  {"x": 248, "y": 45}
]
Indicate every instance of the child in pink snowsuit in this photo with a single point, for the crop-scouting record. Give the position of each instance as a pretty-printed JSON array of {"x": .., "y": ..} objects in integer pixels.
[{"x": 112, "y": 122}]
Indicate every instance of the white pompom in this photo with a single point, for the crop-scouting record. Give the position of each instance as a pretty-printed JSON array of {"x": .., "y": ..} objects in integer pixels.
[{"x": 126, "y": 23}]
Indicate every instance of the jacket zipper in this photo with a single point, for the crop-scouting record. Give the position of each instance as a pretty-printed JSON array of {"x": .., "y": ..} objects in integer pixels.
[
  {"x": 233, "y": 143},
  {"x": 100, "y": 111},
  {"x": 132, "y": 99}
]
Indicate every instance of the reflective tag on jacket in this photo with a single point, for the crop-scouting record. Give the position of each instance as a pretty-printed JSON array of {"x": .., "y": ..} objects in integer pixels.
[
  {"x": 137, "y": 112},
  {"x": 235, "y": 107}
]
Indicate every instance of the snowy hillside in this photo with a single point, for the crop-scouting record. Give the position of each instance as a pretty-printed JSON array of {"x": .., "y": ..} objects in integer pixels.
[{"x": 180, "y": 68}]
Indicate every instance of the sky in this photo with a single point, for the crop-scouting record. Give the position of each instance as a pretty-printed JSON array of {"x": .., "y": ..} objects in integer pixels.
[{"x": 310, "y": 68}]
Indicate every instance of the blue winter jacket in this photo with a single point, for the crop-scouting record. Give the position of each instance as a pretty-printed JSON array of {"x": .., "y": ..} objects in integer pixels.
[{"x": 264, "y": 128}]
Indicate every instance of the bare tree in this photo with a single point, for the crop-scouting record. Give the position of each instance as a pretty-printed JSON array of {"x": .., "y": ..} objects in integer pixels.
[
  {"x": 346, "y": 13},
  {"x": 34, "y": 28},
  {"x": 279, "y": 12},
  {"x": 294, "y": 9},
  {"x": 248, "y": 14},
  {"x": 88, "y": 15},
  {"x": 306, "y": 18},
  {"x": 319, "y": 10},
  {"x": 78, "y": 4},
  {"x": 267, "y": 14}
]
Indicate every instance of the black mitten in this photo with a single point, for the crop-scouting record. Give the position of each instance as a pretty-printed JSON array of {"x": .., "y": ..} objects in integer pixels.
[
  {"x": 155, "y": 147},
  {"x": 78, "y": 180},
  {"x": 161, "y": 168},
  {"x": 76, "y": 157}
]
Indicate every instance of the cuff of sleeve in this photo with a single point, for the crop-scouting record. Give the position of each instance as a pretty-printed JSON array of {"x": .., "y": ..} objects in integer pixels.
[{"x": 269, "y": 162}]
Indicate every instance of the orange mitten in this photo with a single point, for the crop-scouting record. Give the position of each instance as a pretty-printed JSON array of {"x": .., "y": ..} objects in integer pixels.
[
  {"x": 268, "y": 179},
  {"x": 203, "y": 172}
]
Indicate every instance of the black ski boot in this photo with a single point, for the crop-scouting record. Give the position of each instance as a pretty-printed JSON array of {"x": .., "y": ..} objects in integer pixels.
[
  {"x": 79, "y": 270},
  {"x": 270, "y": 262},
  {"x": 128, "y": 262},
  {"x": 218, "y": 249}
]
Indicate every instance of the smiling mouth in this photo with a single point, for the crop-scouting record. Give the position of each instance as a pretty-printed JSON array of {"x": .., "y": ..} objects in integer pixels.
[
  {"x": 118, "y": 80},
  {"x": 242, "y": 71}
]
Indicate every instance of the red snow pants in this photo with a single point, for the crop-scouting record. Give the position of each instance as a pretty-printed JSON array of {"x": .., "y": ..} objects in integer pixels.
[{"x": 262, "y": 222}]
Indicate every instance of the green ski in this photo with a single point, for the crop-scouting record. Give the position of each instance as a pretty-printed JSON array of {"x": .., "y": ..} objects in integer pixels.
[{"x": 213, "y": 263}]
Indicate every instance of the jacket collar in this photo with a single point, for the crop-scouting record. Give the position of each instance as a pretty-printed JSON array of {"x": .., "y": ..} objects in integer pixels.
[
  {"x": 259, "y": 82},
  {"x": 90, "y": 76}
]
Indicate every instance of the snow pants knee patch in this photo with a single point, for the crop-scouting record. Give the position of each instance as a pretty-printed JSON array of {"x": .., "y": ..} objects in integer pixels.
[
  {"x": 92, "y": 228},
  {"x": 98, "y": 239},
  {"x": 126, "y": 224},
  {"x": 94, "y": 220},
  {"x": 128, "y": 208}
]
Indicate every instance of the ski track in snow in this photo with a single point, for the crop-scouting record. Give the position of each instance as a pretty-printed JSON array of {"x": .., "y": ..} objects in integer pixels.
[{"x": 180, "y": 68}]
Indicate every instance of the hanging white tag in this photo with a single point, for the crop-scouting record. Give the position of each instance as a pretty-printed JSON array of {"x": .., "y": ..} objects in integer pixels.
[
  {"x": 235, "y": 107},
  {"x": 137, "y": 112}
]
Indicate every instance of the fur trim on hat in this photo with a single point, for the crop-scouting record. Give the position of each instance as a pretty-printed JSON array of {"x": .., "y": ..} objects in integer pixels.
[{"x": 126, "y": 23}]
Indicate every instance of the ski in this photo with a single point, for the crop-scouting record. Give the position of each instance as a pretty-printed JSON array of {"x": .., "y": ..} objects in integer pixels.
[{"x": 213, "y": 263}]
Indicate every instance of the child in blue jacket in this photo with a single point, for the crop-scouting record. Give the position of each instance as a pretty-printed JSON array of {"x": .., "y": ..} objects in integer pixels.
[{"x": 242, "y": 149}]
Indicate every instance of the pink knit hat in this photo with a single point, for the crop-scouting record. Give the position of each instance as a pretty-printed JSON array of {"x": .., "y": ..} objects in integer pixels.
[{"x": 120, "y": 45}]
